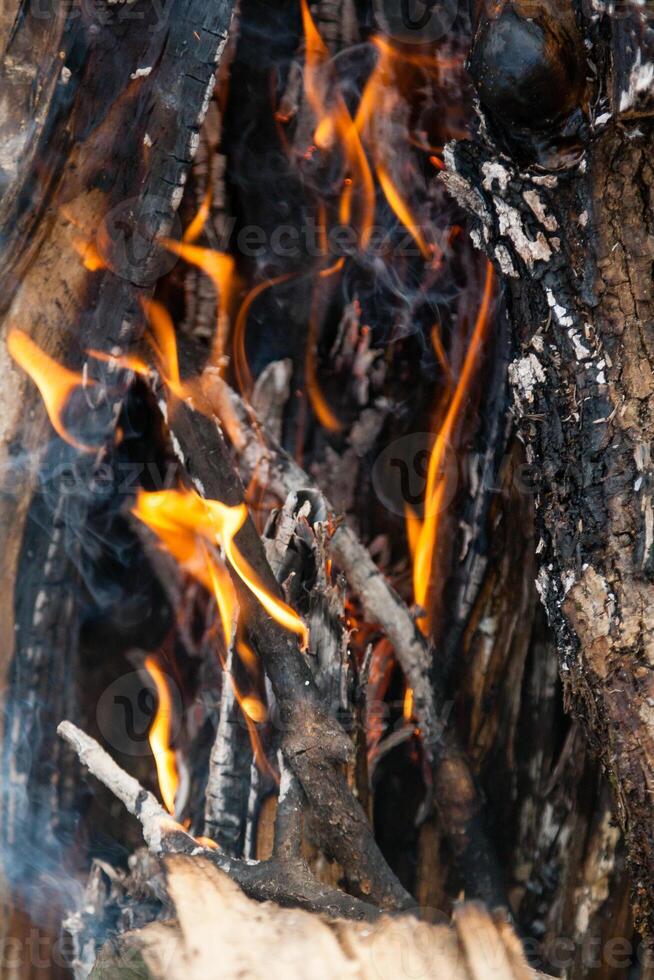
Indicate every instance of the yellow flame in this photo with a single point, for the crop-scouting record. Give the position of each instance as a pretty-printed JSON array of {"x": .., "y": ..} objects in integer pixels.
[
  {"x": 335, "y": 124},
  {"x": 55, "y": 382},
  {"x": 425, "y": 544},
  {"x": 159, "y": 737},
  {"x": 196, "y": 227},
  {"x": 185, "y": 511}
]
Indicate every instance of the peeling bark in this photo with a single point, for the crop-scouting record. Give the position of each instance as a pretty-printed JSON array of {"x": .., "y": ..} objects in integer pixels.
[{"x": 573, "y": 241}]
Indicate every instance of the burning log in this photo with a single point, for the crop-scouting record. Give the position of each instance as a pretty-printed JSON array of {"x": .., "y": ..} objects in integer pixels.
[
  {"x": 301, "y": 718},
  {"x": 314, "y": 746},
  {"x": 455, "y": 790},
  {"x": 100, "y": 123}
]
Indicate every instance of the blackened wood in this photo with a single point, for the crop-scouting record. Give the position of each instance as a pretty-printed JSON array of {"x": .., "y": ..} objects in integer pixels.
[
  {"x": 572, "y": 236},
  {"x": 103, "y": 106}
]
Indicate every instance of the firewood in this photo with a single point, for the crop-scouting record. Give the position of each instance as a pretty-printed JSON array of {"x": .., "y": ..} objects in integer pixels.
[{"x": 218, "y": 932}]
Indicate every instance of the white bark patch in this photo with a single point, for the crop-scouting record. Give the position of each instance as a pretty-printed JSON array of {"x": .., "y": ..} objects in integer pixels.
[
  {"x": 510, "y": 225},
  {"x": 641, "y": 80},
  {"x": 525, "y": 374},
  {"x": 504, "y": 260},
  {"x": 495, "y": 172},
  {"x": 592, "y": 896},
  {"x": 141, "y": 72},
  {"x": 469, "y": 198},
  {"x": 537, "y": 205},
  {"x": 590, "y": 608}
]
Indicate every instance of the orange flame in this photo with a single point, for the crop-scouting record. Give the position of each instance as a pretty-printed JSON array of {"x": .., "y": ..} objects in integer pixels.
[
  {"x": 220, "y": 268},
  {"x": 324, "y": 413},
  {"x": 402, "y": 211},
  {"x": 425, "y": 540},
  {"x": 55, "y": 382},
  {"x": 336, "y": 124},
  {"x": 196, "y": 227},
  {"x": 195, "y": 558},
  {"x": 163, "y": 342},
  {"x": 185, "y": 511},
  {"x": 159, "y": 737},
  {"x": 91, "y": 258},
  {"x": 241, "y": 366},
  {"x": 129, "y": 362}
]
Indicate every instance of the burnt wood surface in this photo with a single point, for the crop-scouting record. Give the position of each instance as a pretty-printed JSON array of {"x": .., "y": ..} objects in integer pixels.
[
  {"x": 565, "y": 212},
  {"x": 102, "y": 105}
]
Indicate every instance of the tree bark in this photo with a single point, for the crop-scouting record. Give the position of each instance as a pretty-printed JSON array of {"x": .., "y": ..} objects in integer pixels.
[{"x": 564, "y": 207}]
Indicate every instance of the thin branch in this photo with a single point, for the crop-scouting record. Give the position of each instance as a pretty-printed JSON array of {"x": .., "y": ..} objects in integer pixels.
[
  {"x": 259, "y": 454},
  {"x": 287, "y": 882}
]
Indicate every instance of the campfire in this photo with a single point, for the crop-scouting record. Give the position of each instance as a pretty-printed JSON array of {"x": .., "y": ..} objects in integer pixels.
[{"x": 279, "y": 699}]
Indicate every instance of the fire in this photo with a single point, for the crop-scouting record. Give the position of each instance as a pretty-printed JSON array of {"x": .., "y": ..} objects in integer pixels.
[
  {"x": 403, "y": 212},
  {"x": 163, "y": 342},
  {"x": 181, "y": 511},
  {"x": 196, "y": 227},
  {"x": 335, "y": 125},
  {"x": 241, "y": 366},
  {"x": 55, "y": 382},
  {"x": 159, "y": 737},
  {"x": 91, "y": 258},
  {"x": 196, "y": 558},
  {"x": 220, "y": 268},
  {"x": 423, "y": 538}
]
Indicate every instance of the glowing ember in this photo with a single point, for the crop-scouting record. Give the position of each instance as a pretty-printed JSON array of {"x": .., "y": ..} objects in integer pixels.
[
  {"x": 407, "y": 708},
  {"x": 91, "y": 258},
  {"x": 56, "y": 383},
  {"x": 159, "y": 737}
]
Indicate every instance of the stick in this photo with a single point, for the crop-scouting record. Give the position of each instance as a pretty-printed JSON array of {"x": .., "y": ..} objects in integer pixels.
[
  {"x": 287, "y": 882},
  {"x": 228, "y": 782}
]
